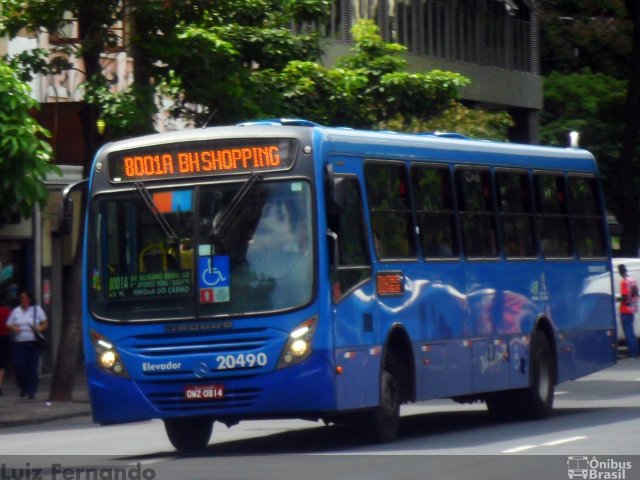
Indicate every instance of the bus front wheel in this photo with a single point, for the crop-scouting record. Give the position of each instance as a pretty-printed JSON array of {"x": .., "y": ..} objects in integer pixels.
[
  {"x": 536, "y": 401},
  {"x": 189, "y": 434},
  {"x": 384, "y": 420}
]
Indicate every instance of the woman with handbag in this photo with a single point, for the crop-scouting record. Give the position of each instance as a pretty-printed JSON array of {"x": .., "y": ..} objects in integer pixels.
[{"x": 26, "y": 321}]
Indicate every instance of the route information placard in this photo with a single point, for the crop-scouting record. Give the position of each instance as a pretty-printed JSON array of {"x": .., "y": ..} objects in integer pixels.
[{"x": 150, "y": 284}]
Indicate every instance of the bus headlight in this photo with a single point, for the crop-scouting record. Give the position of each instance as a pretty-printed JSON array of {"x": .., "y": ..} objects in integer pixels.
[
  {"x": 107, "y": 356},
  {"x": 298, "y": 347}
]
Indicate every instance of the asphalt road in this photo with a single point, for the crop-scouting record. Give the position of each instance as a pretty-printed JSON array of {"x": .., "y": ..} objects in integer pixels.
[{"x": 596, "y": 422}]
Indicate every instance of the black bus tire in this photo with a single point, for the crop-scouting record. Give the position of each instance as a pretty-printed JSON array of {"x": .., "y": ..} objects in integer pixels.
[
  {"x": 536, "y": 401},
  {"x": 190, "y": 433},
  {"x": 384, "y": 420}
]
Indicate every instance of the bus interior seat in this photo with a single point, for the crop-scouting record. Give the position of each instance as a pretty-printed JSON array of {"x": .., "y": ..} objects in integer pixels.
[{"x": 153, "y": 258}]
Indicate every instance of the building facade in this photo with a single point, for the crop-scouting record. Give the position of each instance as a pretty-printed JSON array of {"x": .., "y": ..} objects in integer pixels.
[{"x": 493, "y": 42}]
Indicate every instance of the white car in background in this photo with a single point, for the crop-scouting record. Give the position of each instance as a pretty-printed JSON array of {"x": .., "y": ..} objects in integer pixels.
[{"x": 633, "y": 270}]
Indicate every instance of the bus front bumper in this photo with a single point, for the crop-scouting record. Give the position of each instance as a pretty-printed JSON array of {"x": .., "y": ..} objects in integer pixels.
[{"x": 300, "y": 391}]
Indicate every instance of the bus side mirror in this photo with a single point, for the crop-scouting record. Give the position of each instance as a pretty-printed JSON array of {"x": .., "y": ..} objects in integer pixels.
[
  {"x": 66, "y": 222},
  {"x": 336, "y": 192},
  {"x": 66, "y": 219}
]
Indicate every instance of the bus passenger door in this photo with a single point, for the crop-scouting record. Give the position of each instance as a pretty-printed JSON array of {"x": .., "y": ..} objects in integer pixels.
[{"x": 353, "y": 296}]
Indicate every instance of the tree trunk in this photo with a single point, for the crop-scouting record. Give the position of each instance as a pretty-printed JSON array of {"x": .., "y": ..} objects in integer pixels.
[
  {"x": 71, "y": 335},
  {"x": 142, "y": 65},
  {"x": 630, "y": 200}
]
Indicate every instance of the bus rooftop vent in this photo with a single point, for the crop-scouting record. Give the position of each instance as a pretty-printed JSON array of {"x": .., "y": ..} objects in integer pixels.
[
  {"x": 445, "y": 135},
  {"x": 290, "y": 122}
]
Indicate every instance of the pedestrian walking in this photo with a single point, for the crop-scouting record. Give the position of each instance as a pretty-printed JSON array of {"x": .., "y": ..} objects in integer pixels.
[
  {"x": 628, "y": 308},
  {"x": 23, "y": 321},
  {"x": 5, "y": 342}
]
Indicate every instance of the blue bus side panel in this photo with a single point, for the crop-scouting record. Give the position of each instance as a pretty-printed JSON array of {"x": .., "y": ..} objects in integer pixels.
[
  {"x": 580, "y": 305},
  {"x": 584, "y": 352},
  {"x": 490, "y": 367},
  {"x": 357, "y": 349},
  {"x": 479, "y": 341},
  {"x": 443, "y": 369},
  {"x": 470, "y": 322}
]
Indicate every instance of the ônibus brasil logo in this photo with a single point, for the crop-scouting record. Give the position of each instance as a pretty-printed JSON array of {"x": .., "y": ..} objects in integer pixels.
[{"x": 597, "y": 469}]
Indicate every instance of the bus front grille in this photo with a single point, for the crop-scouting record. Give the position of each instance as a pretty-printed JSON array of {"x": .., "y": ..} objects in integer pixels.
[{"x": 200, "y": 343}]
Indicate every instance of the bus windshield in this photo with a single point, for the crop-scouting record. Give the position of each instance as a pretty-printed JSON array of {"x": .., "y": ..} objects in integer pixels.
[{"x": 260, "y": 260}]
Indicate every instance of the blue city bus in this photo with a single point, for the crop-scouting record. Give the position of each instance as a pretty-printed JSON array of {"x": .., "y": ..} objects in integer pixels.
[{"x": 282, "y": 269}]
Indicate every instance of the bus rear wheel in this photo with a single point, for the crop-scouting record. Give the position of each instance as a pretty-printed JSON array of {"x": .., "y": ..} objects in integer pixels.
[
  {"x": 189, "y": 434},
  {"x": 536, "y": 401}
]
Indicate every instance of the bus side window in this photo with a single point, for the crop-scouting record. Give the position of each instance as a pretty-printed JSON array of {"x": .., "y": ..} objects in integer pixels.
[
  {"x": 553, "y": 217},
  {"x": 477, "y": 214},
  {"x": 353, "y": 264},
  {"x": 435, "y": 212},
  {"x": 391, "y": 222},
  {"x": 516, "y": 214},
  {"x": 587, "y": 216}
]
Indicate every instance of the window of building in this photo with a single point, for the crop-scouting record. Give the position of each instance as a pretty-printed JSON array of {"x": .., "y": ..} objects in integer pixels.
[
  {"x": 465, "y": 27},
  {"x": 495, "y": 35},
  {"x": 435, "y": 211},
  {"x": 477, "y": 214},
  {"x": 587, "y": 216},
  {"x": 402, "y": 23},
  {"x": 390, "y": 209},
  {"x": 553, "y": 218},
  {"x": 435, "y": 27},
  {"x": 337, "y": 25},
  {"x": 521, "y": 37},
  {"x": 515, "y": 214},
  {"x": 364, "y": 9},
  {"x": 67, "y": 32}
]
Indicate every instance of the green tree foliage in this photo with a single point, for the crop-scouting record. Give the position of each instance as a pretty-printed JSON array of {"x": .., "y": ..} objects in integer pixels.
[
  {"x": 233, "y": 60},
  {"x": 25, "y": 155},
  {"x": 126, "y": 112},
  {"x": 474, "y": 123},
  {"x": 218, "y": 59},
  {"x": 591, "y": 55},
  {"x": 94, "y": 20},
  {"x": 579, "y": 34},
  {"x": 215, "y": 59},
  {"x": 587, "y": 103},
  {"x": 367, "y": 89}
]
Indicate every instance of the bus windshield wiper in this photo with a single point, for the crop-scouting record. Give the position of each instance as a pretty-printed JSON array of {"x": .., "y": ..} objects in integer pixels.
[
  {"x": 230, "y": 214},
  {"x": 162, "y": 221}
]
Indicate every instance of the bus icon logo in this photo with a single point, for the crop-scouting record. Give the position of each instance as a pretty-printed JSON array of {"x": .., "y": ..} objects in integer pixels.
[{"x": 578, "y": 467}]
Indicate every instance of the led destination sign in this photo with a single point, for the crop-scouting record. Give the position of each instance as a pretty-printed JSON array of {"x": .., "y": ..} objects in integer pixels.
[{"x": 213, "y": 157}]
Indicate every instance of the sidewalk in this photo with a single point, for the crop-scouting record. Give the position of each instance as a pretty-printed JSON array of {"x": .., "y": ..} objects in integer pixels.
[{"x": 16, "y": 411}]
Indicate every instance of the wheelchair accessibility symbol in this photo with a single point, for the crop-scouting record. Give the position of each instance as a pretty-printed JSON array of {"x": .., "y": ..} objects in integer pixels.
[
  {"x": 211, "y": 276},
  {"x": 214, "y": 271}
]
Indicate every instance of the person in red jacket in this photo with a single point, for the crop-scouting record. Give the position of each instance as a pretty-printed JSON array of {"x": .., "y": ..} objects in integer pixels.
[
  {"x": 628, "y": 308},
  {"x": 5, "y": 342}
]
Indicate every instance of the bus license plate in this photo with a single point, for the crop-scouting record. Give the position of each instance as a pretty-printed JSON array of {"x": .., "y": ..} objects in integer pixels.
[{"x": 203, "y": 392}]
